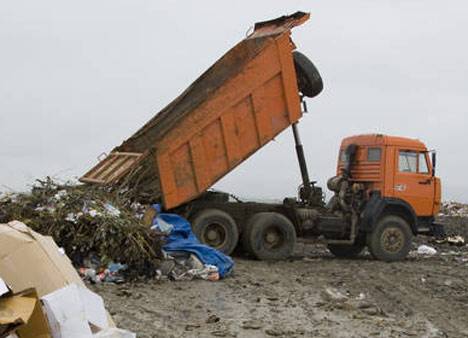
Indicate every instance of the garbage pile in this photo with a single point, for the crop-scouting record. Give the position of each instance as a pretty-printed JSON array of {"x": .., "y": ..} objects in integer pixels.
[
  {"x": 185, "y": 257},
  {"x": 42, "y": 295},
  {"x": 454, "y": 209},
  {"x": 91, "y": 224}
]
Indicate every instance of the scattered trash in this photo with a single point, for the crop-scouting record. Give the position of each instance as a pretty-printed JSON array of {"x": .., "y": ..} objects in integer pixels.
[
  {"x": 88, "y": 220},
  {"x": 111, "y": 210},
  {"x": 96, "y": 273},
  {"x": 21, "y": 313},
  {"x": 3, "y": 288},
  {"x": 456, "y": 240},
  {"x": 426, "y": 250},
  {"x": 334, "y": 295},
  {"x": 454, "y": 209},
  {"x": 75, "y": 311},
  {"x": 214, "y": 264},
  {"x": 32, "y": 262}
]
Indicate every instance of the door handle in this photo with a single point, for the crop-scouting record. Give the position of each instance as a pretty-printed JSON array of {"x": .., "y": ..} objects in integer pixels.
[{"x": 428, "y": 181}]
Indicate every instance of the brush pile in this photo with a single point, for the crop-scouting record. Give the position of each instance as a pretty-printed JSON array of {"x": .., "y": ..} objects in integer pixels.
[{"x": 88, "y": 221}]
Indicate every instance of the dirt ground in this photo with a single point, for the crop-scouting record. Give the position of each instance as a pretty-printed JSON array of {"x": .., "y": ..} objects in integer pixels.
[{"x": 311, "y": 295}]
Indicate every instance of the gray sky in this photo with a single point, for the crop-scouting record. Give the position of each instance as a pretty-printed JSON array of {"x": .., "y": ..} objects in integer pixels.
[{"x": 78, "y": 77}]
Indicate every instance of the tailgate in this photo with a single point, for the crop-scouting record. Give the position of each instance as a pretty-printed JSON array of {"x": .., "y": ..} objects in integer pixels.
[{"x": 112, "y": 168}]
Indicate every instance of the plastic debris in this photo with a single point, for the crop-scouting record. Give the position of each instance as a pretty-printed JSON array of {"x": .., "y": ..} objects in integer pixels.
[
  {"x": 111, "y": 210},
  {"x": 426, "y": 250},
  {"x": 334, "y": 295},
  {"x": 181, "y": 239},
  {"x": 456, "y": 240},
  {"x": 95, "y": 273}
]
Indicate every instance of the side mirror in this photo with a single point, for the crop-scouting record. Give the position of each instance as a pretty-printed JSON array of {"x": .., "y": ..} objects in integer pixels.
[{"x": 434, "y": 158}]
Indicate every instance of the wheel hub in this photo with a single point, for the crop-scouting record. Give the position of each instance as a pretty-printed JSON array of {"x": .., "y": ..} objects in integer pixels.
[
  {"x": 273, "y": 238},
  {"x": 392, "y": 240},
  {"x": 215, "y": 235}
]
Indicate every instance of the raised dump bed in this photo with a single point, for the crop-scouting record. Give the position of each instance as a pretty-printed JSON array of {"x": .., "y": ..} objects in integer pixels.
[{"x": 238, "y": 105}]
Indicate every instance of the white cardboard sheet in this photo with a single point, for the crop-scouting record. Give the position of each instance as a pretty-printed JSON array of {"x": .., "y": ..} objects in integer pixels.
[{"x": 3, "y": 288}]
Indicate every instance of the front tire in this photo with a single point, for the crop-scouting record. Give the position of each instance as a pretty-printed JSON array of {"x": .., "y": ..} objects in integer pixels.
[{"x": 391, "y": 239}]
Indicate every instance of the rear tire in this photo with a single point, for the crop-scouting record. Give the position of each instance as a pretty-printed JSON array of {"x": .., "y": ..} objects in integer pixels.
[
  {"x": 391, "y": 239},
  {"x": 269, "y": 236},
  {"x": 217, "y": 229}
]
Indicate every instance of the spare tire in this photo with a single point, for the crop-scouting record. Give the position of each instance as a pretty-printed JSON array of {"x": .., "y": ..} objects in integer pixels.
[{"x": 309, "y": 80}]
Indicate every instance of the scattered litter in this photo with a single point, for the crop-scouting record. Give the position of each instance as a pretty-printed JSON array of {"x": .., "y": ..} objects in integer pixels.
[
  {"x": 454, "y": 209},
  {"x": 22, "y": 313},
  {"x": 214, "y": 264},
  {"x": 186, "y": 266},
  {"x": 456, "y": 240},
  {"x": 97, "y": 274},
  {"x": 426, "y": 250},
  {"x": 88, "y": 220},
  {"x": 75, "y": 311},
  {"x": 32, "y": 262},
  {"x": 333, "y": 295},
  {"x": 3, "y": 288},
  {"x": 111, "y": 210}
]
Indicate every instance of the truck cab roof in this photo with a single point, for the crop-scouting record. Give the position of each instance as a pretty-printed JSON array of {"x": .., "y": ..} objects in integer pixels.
[{"x": 380, "y": 139}]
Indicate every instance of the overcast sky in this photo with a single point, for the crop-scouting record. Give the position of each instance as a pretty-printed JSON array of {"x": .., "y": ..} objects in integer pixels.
[{"x": 78, "y": 77}]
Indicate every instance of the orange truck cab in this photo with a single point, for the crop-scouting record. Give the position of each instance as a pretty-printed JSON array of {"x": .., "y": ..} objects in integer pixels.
[
  {"x": 390, "y": 182},
  {"x": 398, "y": 169}
]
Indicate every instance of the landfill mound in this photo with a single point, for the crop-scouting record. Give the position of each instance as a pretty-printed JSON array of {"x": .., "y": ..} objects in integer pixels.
[
  {"x": 89, "y": 223},
  {"x": 454, "y": 209}
]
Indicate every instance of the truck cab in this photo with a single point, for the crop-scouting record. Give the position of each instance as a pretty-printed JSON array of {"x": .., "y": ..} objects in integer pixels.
[
  {"x": 396, "y": 168},
  {"x": 388, "y": 183}
]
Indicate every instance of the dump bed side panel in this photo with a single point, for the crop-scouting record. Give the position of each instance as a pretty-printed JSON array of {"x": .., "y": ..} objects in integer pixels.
[
  {"x": 238, "y": 105},
  {"x": 246, "y": 113}
]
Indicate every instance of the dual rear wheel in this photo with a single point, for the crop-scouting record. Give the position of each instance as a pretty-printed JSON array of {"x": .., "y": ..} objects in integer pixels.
[{"x": 266, "y": 236}]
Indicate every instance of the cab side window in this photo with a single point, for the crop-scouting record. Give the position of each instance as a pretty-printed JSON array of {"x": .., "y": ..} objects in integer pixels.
[
  {"x": 374, "y": 154},
  {"x": 408, "y": 161},
  {"x": 423, "y": 168}
]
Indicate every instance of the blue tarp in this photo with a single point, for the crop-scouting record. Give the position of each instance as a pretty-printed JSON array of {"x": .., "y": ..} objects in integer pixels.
[{"x": 181, "y": 238}]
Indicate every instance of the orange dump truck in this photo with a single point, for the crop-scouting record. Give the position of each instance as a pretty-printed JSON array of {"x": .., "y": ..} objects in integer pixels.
[{"x": 249, "y": 96}]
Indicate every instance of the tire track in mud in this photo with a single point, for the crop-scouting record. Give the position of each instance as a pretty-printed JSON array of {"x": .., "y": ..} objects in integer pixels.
[{"x": 397, "y": 294}]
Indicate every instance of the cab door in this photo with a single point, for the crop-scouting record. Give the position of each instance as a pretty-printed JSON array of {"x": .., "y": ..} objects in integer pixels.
[{"x": 413, "y": 181}]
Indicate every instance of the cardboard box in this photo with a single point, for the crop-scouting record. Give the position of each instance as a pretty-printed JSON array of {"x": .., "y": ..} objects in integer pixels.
[
  {"x": 30, "y": 260},
  {"x": 22, "y": 313}
]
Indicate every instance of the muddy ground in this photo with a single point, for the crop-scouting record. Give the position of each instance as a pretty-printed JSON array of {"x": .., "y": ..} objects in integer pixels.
[{"x": 311, "y": 295}]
